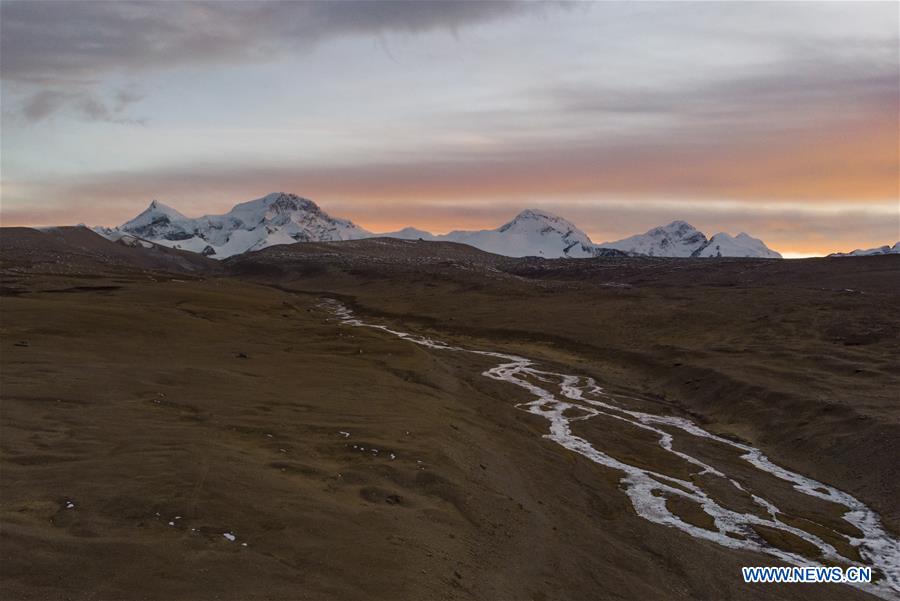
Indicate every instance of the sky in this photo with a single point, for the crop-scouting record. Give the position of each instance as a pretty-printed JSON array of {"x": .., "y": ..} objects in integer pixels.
[{"x": 779, "y": 119}]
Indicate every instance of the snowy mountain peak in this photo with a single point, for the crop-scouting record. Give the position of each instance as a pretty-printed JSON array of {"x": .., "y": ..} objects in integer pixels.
[
  {"x": 677, "y": 239},
  {"x": 278, "y": 209},
  {"x": 277, "y": 218},
  {"x": 533, "y": 232},
  {"x": 530, "y": 233},
  {"x": 680, "y": 227},
  {"x": 158, "y": 220},
  {"x": 536, "y": 214},
  {"x": 157, "y": 208},
  {"x": 866, "y": 252},
  {"x": 681, "y": 239},
  {"x": 281, "y": 202},
  {"x": 529, "y": 217},
  {"x": 284, "y": 218},
  {"x": 411, "y": 233},
  {"x": 742, "y": 245}
]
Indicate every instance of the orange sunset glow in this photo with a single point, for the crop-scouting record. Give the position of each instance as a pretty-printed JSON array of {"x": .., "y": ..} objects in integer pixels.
[{"x": 790, "y": 136}]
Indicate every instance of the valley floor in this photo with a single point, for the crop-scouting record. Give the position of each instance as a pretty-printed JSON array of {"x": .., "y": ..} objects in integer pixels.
[{"x": 186, "y": 437}]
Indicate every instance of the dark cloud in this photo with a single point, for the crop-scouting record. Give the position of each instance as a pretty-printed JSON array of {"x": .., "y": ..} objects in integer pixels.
[
  {"x": 52, "y": 42},
  {"x": 40, "y": 105},
  {"x": 124, "y": 98},
  {"x": 56, "y": 47}
]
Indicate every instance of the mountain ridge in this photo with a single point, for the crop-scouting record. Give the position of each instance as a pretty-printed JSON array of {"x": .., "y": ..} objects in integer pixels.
[
  {"x": 283, "y": 218},
  {"x": 531, "y": 232},
  {"x": 277, "y": 218},
  {"x": 867, "y": 252}
]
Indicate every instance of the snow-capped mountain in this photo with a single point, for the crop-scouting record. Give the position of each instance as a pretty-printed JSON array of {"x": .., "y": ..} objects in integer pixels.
[
  {"x": 742, "y": 245},
  {"x": 281, "y": 218},
  {"x": 881, "y": 250},
  {"x": 530, "y": 233},
  {"x": 681, "y": 239},
  {"x": 678, "y": 239},
  {"x": 411, "y": 233},
  {"x": 277, "y": 218}
]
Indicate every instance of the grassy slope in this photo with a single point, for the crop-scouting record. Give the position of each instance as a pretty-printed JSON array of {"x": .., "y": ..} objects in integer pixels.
[
  {"x": 796, "y": 357},
  {"x": 132, "y": 402}
]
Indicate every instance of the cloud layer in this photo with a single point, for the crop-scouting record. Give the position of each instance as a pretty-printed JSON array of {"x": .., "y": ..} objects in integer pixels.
[
  {"x": 783, "y": 117},
  {"x": 58, "y": 42},
  {"x": 54, "y": 46}
]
